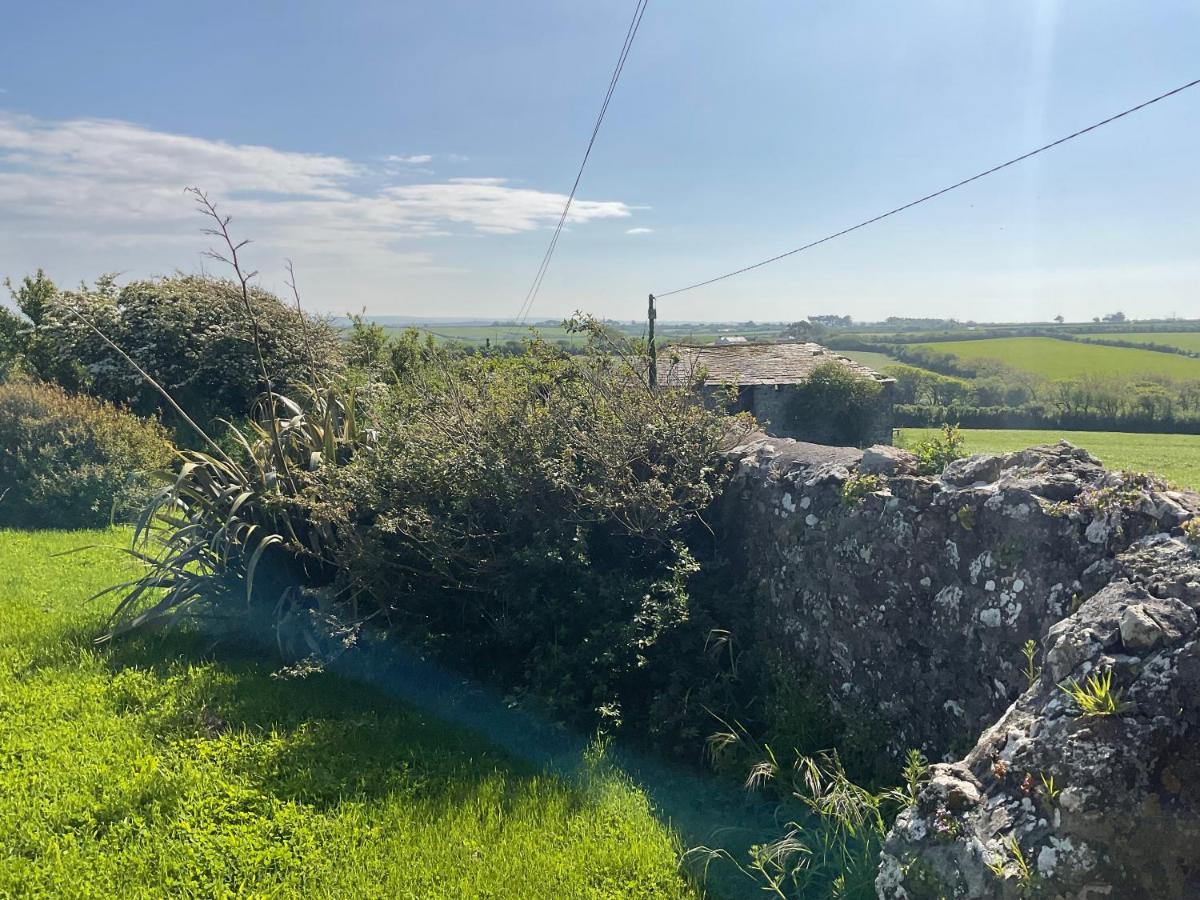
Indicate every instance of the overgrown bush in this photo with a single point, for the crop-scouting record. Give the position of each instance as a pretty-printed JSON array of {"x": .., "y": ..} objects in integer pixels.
[
  {"x": 194, "y": 336},
  {"x": 72, "y": 461},
  {"x": 836, "y": 405},
  {"x": 526, "y": 516}
]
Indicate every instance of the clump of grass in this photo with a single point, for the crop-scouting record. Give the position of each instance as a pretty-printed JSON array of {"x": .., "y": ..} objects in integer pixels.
[
  {"x": 1095, "y": 697},
  {"x": 1032, "y": 670},
  {"x": 834, "y": 851},
  {"x": 1013, "y": 864}
]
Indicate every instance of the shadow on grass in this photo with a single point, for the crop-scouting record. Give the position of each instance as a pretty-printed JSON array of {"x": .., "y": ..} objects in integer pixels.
[{"x": 349, "y": 738}]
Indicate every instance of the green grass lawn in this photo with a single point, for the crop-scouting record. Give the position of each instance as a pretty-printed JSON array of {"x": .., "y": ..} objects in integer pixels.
[
  {"x": 151, "y": 769},
  {"x": 1176, "y": 457},
  {"x": 1055, "y": 359},
  {"x": 1184, "y": 340}
]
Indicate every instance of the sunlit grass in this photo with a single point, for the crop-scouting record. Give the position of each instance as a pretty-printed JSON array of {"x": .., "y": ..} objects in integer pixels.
[
  {"x": 1057, "y": 360},
  {"x": 152, "y": 769},
  {"x": 1175, "y": 457}
]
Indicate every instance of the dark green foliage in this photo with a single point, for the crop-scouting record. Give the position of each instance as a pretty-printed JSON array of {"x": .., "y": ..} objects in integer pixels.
[
  {"x": 194, "y": 336},
  {"x": 526, "y": 517},
  {"x": 836, "y": 405},
  {"x": 72, "y": 461},
  {"x": 26, "y": 340}
]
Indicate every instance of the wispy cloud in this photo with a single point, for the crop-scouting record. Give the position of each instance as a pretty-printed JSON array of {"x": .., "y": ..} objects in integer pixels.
[
  {"x": 416, "y": 160},
  {"x": 639, "y": 231},
  {"x": 94, "y": 182}
]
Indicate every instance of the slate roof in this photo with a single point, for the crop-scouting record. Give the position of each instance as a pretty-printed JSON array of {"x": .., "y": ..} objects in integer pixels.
[{"x": 786, "y": 362}]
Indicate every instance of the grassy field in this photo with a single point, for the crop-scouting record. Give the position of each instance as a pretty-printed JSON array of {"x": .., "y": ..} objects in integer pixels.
[
  {"x": 148, "y": 770},
  {"x": 477, "y": 335},
  {"x": 1184, "y": 340},
  {"x": 877, "y": 361},
  {"x": 1176, "y": 457},
  {"x": 1062, "y": 359}
]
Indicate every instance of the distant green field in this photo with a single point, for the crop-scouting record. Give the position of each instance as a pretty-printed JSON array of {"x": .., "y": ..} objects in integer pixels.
[
  {"x": 877, "y": 361},
  {"x": 477, "y": 335},
  {"x": 497, "y": 334},
  {"x": 1175, "y": 457},
  {"x": 1184, "y": 340},
  {"x": 1058, "y": 360}
]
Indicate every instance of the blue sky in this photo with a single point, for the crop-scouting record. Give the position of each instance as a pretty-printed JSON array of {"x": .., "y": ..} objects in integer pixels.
[{"x": 411, "y": 157}]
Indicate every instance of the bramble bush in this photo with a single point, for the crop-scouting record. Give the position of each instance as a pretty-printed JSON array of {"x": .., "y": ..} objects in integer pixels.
[
  {"x": 72, "y": 461},
  {"x": 526, "y": 517}
]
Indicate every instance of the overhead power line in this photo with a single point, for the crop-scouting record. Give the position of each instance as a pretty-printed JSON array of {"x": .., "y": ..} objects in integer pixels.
[
  {"x": 945, "y": 190},
  {"x": 536, "y": 286}
]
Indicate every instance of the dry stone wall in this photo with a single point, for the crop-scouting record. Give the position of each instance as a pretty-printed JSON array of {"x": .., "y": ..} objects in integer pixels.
[{"x": 912, "y": 597}]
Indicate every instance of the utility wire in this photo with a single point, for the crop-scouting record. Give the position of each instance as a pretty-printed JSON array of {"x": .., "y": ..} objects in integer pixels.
[
  {"x": 536, "y": 286},
  {"x": 944, "y": 190}
]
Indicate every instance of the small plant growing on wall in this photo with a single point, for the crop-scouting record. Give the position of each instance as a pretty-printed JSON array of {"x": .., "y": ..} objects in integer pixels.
[
  {"x": 1013, "y": 864},
  {"x": 857, "y": 487},
  {"x": 1191, "y": 531},
  {"x": 935, "y": 453},
  {"x": 966, "y": 518},
  {"x": 1032, "y": 670},
  {"x": 1095, "y": 697}
]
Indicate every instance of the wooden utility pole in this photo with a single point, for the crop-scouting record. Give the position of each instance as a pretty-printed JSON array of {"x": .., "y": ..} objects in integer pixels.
[{"x": 653, "y": 351}]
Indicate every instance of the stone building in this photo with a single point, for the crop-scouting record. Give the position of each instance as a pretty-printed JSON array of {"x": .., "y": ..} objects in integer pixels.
[{"x": 768, "y": 379}]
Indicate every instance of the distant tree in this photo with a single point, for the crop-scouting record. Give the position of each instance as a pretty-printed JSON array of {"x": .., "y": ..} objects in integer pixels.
[
  {"x": 25, "y": 340},
  {"x": 1115, "y": 317},
  {"x": 806, "y": 330},
  {"x": 832, "y": 321},
  {"x": 1059, "y": 319}
]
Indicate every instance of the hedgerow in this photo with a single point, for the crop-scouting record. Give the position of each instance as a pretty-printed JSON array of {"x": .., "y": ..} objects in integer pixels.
[
  {"x": 194, "y": 336},
  {"x": 73, "y": 461}
]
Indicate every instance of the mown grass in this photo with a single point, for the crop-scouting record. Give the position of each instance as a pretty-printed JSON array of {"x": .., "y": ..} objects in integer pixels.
[
  {"x": 1059, "y": 360},
  {"x": 149, "y": 769},
  {"x": 1175, "y": 457}
]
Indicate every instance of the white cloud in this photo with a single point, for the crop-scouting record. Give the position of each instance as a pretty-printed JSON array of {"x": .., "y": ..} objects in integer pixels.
[
  {"x": 86, "y": 183},
  {"x": 416, "y": 160},
  {"x": 639, "y": 231}
]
